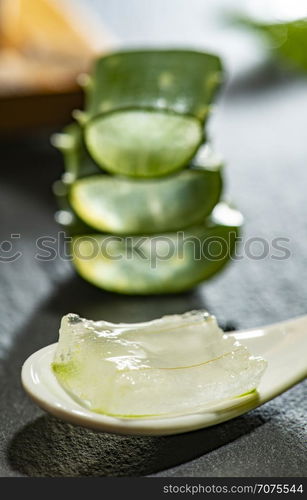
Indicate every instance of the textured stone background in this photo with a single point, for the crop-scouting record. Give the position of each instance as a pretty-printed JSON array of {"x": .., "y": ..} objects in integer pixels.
[{"x": 260, "y": 127}]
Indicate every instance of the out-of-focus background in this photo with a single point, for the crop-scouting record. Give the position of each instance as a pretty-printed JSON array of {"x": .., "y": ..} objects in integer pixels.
[
  {"x": 45, "y": 44},
  {"x": 259, "y": 126}
]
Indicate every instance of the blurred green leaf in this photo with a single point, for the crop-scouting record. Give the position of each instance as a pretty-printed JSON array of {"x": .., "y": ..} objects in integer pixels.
[{"x": 288, "y": 40}]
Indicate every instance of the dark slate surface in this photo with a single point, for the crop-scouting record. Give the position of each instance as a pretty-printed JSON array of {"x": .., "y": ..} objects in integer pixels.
[{"x": 260, "y": 127}]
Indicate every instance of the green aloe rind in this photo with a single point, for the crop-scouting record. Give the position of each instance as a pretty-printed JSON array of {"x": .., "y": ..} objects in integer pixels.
[
  {"x": 182, "y": 81},
  {"x": 77, "y": 161},
  {"x": 169, "y": 263},
  {"x": 145, "y": 110}
]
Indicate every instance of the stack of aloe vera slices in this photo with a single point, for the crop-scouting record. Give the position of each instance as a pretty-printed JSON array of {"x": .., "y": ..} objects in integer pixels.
[{"x": 141, "y": 192}]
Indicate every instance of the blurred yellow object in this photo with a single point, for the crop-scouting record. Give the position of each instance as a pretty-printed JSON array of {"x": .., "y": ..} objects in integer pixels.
[
  {"x": 46, "y": 27},
  {"x": 44, "y": 45},
  {"x": 20, "y": 74}
]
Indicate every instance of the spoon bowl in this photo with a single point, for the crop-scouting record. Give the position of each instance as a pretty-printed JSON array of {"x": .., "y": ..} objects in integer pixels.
[{"x": 281, "y": 344}]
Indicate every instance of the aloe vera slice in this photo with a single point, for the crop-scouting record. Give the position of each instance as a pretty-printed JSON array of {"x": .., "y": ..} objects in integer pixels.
[
  {"x": 123, "y": 205},
  {"x": 146, "y": 110},
  {"x": 177, "y": 364},
  {"x": 143, "y": 143},
  {"x": 167, "y": 263}
]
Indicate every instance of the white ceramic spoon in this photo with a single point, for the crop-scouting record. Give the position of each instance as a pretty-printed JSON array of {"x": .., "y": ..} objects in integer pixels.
[{"x": 283, "y": 345}]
